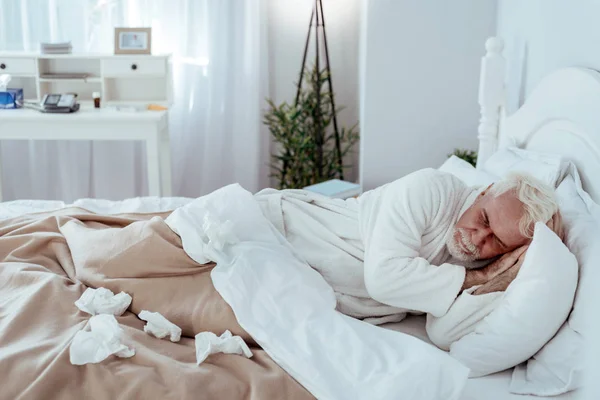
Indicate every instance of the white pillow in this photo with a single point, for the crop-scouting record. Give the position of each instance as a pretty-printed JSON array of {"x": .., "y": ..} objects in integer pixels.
[
  {"x": 531, "y": 311},
  {"x": 558, "y": 367},
  {"x": 467, "y": 173},
  {"x": 549, "y": 168}
]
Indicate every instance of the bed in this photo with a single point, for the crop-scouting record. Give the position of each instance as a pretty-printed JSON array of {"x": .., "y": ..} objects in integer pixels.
[
  {"x": 495, "y": 386},
  {"x": 559, "y": 117}
]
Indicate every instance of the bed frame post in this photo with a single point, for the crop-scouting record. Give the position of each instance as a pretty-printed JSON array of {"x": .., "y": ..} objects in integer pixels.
[{"x": 491, "y": 98}]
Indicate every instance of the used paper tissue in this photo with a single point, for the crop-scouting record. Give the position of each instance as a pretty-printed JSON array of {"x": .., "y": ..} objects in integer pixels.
[
  {"x": 103, "y": 301},
  {"x": 159, "y": 326},
  {"x": 102, "y": 340},
  {"x": 208, "y": 343}
]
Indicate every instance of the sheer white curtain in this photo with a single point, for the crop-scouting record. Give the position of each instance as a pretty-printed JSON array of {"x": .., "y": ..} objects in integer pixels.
[{"x": 220, "y": 72}]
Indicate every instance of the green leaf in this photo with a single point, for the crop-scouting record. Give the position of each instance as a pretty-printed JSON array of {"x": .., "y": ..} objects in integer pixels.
[
  {"x": 469, "y": 156},
  {"x": 305, "y": 142}
]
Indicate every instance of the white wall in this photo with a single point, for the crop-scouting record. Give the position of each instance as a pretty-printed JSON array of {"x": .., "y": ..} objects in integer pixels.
[
  {"x": 288, "y": 27},
  {"x": 419, "y": 80},
  {"x": 555, "y": 33}
]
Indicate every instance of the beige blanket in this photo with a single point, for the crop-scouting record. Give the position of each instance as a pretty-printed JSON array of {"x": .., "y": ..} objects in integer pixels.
[{"x": 48, "y": 260}]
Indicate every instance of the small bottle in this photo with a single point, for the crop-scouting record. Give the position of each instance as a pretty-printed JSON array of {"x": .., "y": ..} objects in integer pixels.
[{"x": 96, "y": 96}]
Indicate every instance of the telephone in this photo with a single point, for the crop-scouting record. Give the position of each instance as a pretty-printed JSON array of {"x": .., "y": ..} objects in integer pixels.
[{"x": 59, "y": 103}]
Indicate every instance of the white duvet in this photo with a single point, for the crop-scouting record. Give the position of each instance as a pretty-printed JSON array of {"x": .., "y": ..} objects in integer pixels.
[
  {"x": 289, "y": 309},
  {"x": 286, "y": 306}
]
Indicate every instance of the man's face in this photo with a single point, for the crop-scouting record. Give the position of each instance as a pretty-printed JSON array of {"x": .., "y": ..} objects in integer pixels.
[{"x": 489, "y": 228}]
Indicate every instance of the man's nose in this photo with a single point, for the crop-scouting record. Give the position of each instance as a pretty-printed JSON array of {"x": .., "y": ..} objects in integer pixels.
[{"x": 478, "y": 237}]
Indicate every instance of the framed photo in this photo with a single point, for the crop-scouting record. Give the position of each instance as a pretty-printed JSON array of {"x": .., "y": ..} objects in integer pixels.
[{"x": 133, "y": 40}]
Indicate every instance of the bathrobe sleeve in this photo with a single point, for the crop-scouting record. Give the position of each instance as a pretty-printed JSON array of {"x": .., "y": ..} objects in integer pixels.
[
  {"x": 462, "y": 318},
  {"x": 395, "y": 271}
]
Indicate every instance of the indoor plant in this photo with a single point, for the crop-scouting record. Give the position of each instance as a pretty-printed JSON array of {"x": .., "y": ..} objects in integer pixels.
[
  {"x": 308, "y": 149},
  {"x": 469, "y": 156}
]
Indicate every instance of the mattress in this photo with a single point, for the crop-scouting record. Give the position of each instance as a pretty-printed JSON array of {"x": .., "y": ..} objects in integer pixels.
[{"x": 491, "y": 387}]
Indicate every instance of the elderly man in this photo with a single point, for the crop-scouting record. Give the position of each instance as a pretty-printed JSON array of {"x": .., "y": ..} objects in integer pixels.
[{"x": 413, "y": 245}]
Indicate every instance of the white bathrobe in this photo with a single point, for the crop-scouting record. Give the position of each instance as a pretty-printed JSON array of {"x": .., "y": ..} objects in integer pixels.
[{"x": 384, "y": 253}]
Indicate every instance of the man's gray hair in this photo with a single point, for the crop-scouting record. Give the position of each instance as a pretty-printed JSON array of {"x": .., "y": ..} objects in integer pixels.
[{"x": 538, "y": 199}]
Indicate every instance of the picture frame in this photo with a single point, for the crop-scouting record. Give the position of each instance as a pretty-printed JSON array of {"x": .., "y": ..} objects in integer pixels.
[{"x": 133, "y": 40}]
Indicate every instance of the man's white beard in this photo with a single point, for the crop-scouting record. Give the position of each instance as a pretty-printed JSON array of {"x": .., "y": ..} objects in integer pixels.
[{"x": 456, "y": 250}]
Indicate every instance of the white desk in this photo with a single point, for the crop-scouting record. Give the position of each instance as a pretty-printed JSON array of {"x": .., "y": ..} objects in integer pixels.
[{"x": 99, "y": 124}]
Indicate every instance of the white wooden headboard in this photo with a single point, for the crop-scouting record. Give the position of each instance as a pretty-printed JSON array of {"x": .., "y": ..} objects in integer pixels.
[{"x": 561, "y": 116}]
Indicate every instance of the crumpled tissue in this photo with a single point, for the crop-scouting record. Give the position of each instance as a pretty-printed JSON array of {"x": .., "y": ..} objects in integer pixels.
[
  {"x": 159, "y": 326},
  {"x": 206, "y": 235},
  {"x": 208, "y": 343},
  {"x": 103, "y": 301},
  {"x": 218, "y": 233},
  {"x": 102, "y": 340},
  {"x": 4, "y": 80}
]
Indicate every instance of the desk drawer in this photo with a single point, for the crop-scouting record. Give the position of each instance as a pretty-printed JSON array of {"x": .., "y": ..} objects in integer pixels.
[
  {"x": 131, "y": 67},
  {"x": 17, "y": 66}
]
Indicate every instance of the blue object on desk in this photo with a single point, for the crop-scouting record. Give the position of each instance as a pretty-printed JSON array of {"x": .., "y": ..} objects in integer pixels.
[{"x": 12, "y": 98}]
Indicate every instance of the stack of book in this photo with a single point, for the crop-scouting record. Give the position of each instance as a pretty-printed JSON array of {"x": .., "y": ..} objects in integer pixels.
[
  {"x": 56, "y": 48},
  {"x": 336, "y": 189}
]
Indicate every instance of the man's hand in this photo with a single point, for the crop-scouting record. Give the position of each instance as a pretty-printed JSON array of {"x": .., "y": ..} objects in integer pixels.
[
  {"x": 501, "y": 282},
  {"x": 487, "y": 274}
]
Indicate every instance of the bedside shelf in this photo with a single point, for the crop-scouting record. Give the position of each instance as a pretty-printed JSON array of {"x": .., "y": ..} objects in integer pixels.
[
  {"x": 20, "y": 75},
  {"x": 119, "y": 78},
  {"x": 95, "y": 79}
]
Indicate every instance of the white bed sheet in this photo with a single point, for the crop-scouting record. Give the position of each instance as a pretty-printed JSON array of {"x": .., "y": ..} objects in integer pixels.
[{"x": 491, "y": 387}]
